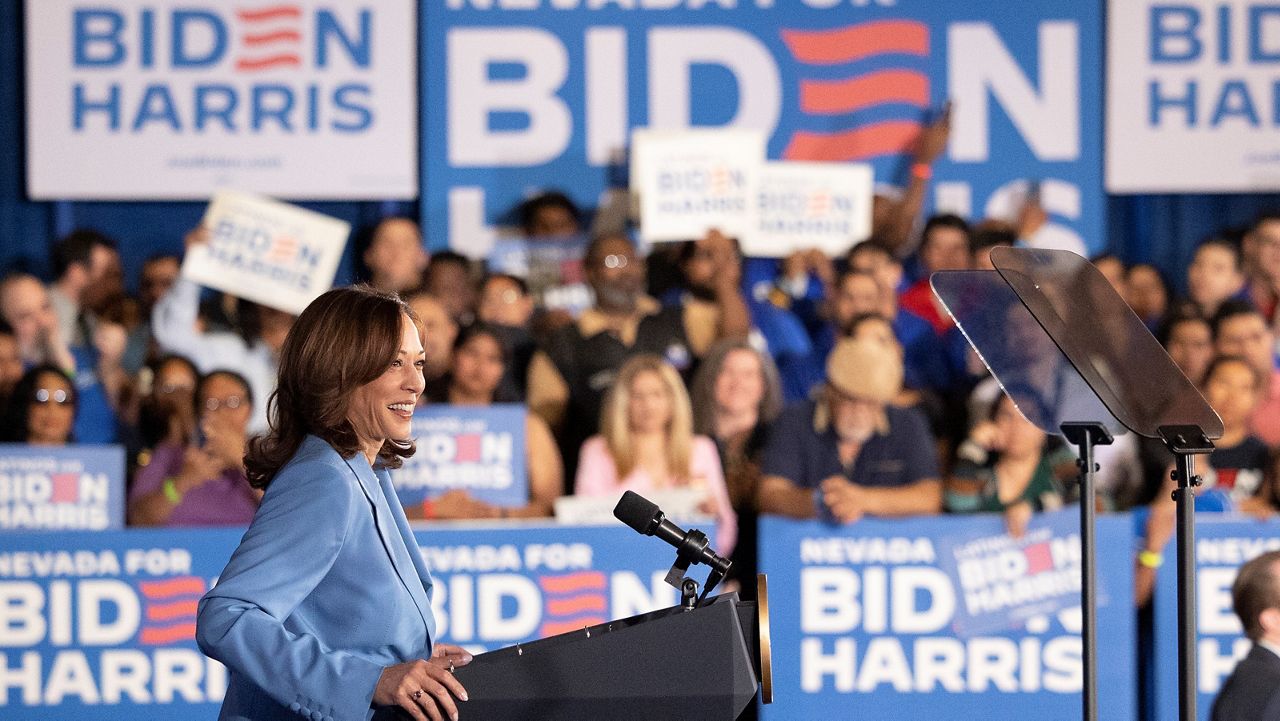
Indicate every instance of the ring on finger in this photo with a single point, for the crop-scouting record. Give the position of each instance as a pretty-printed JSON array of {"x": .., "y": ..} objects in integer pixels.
[
  {"x": 450, "y": 665},
  {"x": 416, "y": 694}
]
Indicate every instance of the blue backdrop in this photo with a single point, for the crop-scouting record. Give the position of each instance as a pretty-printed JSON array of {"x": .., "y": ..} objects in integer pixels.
[{"x": 1159, "y": 229}]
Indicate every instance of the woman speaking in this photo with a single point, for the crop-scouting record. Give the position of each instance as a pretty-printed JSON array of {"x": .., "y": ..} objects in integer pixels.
[{"x": 324, "y": 610}]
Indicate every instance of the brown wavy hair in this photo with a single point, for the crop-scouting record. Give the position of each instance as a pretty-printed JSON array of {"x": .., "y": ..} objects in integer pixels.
[{"x": 346, "y": 338}]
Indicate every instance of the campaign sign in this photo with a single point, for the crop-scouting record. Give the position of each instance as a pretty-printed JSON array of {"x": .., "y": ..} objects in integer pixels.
[
  {"x": 526, "y": 94},
  {"x": 694, "y": 180},
  {"x": 100, "y": 626},
  {"x": 550, "y": 266},
  {"x": 1223, "y": 544},
  {"x": 62, "y": 488},
  {"x": 477, "y": 449},
  {"x": 1192, "y": 99},
  {"x": 266, "y": 251},
  {"x": 809, "y": 205},
  {"x": 862, "y": 623},
  {"x": 141, "y": 99}
]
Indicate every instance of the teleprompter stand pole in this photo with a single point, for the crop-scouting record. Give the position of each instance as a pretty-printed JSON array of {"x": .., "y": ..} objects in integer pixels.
[
  {"x": 1186, "y": 442},
  {"x": 1086, "y": 436}
]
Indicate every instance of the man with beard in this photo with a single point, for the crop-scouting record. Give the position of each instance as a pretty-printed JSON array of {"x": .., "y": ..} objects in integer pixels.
[
  {"x": 850, "y": 454},
  {"x": 569, "y": 376}
]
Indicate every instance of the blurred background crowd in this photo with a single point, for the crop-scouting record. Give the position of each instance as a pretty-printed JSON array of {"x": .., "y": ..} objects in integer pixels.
[{"x": 814, "y": 386}]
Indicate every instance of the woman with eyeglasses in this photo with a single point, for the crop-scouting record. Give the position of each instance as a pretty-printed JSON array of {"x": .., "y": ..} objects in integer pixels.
[
  {"x": 202, "y": 483},
  {"x": 42, "y": 409}
]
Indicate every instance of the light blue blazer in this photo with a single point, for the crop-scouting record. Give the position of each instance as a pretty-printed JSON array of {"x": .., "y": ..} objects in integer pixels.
[{"x": 326, "y": 589}]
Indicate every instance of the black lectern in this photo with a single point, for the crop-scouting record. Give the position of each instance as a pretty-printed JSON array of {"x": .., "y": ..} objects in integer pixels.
[
  {"x": 676, "y": 663},
  {"x": 1076, "y": 360}
]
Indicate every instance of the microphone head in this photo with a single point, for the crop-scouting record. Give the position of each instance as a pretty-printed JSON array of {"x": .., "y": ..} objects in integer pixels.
[{"x": 638, "y": 512}]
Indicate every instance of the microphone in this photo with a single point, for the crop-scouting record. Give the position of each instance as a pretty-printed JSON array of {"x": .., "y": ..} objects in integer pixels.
[{"x": 646, "y": 518}]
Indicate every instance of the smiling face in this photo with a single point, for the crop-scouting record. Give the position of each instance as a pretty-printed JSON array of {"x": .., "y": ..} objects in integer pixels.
[{"x": 382, "y": 409}]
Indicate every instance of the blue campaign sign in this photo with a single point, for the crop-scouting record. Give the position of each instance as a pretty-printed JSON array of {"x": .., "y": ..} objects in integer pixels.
[
  {"x": 523, "y": 94},
  {"x": 61, "y": 488},
  {"x": 1223, "y": 544},
  {"x": 1005, "y": 582},
  {"x": 862, "y": 626},
  {"x": 100, "y": 626},
  {"x": 477, "y": 449}
]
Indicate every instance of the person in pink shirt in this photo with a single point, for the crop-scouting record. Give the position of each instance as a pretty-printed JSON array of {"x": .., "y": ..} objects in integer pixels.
[{"x": 647, "y": 443}]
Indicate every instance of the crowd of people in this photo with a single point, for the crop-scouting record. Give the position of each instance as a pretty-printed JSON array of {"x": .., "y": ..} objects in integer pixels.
[{"x": 814, "y": 387}]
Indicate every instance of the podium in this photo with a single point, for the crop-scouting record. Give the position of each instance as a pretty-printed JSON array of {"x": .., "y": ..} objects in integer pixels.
[{"x": 705, "y": 662}]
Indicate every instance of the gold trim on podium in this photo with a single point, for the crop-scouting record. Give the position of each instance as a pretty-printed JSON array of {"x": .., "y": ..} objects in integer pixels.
[{"x": 766, "y": 651}]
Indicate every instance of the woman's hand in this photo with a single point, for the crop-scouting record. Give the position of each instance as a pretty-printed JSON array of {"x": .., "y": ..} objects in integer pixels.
[
  {"x": 224, "y": 440},
  {"x": 198, "y": 468},
  {"x": 425, "y": 689}
]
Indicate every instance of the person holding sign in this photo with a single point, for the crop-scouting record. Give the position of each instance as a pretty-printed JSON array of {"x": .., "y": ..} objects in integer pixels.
[
  {"x": 647, "y": 443},
  {"x": 479, "y": 362},
  {"x": 324, "y": 610}
]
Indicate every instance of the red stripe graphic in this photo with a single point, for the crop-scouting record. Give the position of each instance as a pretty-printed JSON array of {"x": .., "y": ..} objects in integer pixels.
[
  {"x": 551, "y": 628},
  {"x": 272, "y": 61},
  {"x": 179, "y": 586},
  {"x": 170, "y": 611},
  {"x": 292, "y": 36},
  {"x": 273, "y": 12},
  {"x": 854, "y": 42},
  {"x": 832, "y": 97},
  {"x": 168, "y": 634},
  {"x": 574, "y": 605},
  {"x": 573, "y": 582},
  {"x": 66, "y": 487},
  {"x": 889, "y": 138}
]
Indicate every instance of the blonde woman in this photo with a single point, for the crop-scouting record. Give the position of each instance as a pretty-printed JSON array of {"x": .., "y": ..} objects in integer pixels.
[{"x": 647, "y": 443}]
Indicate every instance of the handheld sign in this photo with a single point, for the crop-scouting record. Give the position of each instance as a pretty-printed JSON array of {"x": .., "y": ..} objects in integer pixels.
[
  {"x": 809, "y": 205},
  {"x": 550, "y": 265},
  {"x": 269, "y": 252},
  {"x": 693, "y": 180},
  {"x": 61, "y": 488},
  {"x": 477, "y": 449}
]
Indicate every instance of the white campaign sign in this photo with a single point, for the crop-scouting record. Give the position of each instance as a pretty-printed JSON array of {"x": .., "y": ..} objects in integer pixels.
[
  {"x": 266, "y": 251},
  {"x": 160, "y": 99},
  {"x": 809, "y": 205},
  {"x": 1192, "y": 100},
  {"x": 691, "y": 181}
]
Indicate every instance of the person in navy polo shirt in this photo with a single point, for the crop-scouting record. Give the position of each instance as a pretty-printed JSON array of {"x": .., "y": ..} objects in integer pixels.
[{"x": 849, "y": 453}]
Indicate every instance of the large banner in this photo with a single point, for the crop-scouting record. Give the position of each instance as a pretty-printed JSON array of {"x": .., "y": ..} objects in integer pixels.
[
  {"x": 100, "y": 626},
  {"x": 142, "y": 99},
  {"x": 877, "y": 619},
  {"x": 1223, "y": 544},
  {"x": 76, "y": 487},
  {"x": 527, "y": 94},
  {"x": 1192, "y": 104}
]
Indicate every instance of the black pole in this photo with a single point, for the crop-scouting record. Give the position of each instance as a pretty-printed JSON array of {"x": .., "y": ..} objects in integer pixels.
[
  {"x": 1184, "y": 442},
  {"x": 1184, "y": 499},
  {"x": 1086, "y": 436}
]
